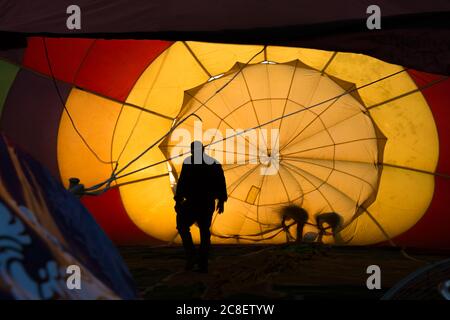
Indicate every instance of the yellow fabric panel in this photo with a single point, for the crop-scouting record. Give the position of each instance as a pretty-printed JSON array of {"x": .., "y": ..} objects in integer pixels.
[
  {"x": 148, "y": 202},
  {"x": 245, "y": 223},
  {"x": 161, "y": 86},
  {"x": 218, "y": 58},
  {"x": 242, "y": 185},
  {"x": 95, "y": 118},
  {"x": 267, "y": 81},
  {"x": 340, "y": 194},
  {"x": 412, "y": 142},
  {"x": 272, "y": 191},
  {"x": 305, "y": 85},
  {"x": 291, "y": 187},
  {"x": 314, "y": 58},
  {"x": 361, "y": 70},
  {"x": 300, "y": 125},
  {"x": 413, "y": 139},
  {"x": 306, "y": 173},
  {"x": 228, "y": 227},
  {"x": 309, "y": 141},
  {"x": 135, "y": 132},
  {"x": 243, "y": 218},
  {"x": 224, "y": 102},
  {"x": 402, "y": 199}
]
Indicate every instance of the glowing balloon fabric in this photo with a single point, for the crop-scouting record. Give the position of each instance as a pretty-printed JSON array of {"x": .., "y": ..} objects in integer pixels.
[{"x": 356, "y": 135}]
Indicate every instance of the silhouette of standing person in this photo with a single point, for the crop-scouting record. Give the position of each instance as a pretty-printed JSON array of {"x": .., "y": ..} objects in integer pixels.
[{"x": 200, "y": 184}]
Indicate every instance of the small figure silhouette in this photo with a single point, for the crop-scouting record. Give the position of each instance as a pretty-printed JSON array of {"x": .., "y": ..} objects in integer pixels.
[
  {"x": 75, "y": 187},
  {"x": 334, "y": 222},
  {"x": 201, "y": 183},
  {"x": 299, "y": 215}
]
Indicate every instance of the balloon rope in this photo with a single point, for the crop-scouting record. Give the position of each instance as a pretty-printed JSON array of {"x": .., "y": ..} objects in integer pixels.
[
  {"x": 268, "y": 122},
  {"x": 389, "y": 238},
  {"x": 67, "y": 110},
  {"x": 191, "y": 114},
  {"x": 115, "y": 172},
  {"x": 287, "y": 115}
]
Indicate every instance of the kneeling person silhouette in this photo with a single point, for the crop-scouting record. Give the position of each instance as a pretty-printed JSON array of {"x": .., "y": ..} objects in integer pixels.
[{"x": 201, "y": 183}]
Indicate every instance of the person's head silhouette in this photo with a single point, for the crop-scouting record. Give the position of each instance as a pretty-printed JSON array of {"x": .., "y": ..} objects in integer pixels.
[
  {"x": 73, "y": 182},
  {"x": 197, "y": 150}
]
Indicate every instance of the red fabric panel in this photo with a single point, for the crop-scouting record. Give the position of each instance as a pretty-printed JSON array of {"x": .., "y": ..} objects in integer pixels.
[
  {"x": 65, "y": 56},
  {"x": 113, "y": 67},
  {"x": 433, "y": 230},
  {"x": 108, "y": 67},
  {"x": 110, "y": 214}
]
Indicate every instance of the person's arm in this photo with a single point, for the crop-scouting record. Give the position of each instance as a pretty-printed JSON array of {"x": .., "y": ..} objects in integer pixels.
[
  {"x": 222, "y": 194},
  {"x": 180, "y": 188},
  {"x": 79, "y": 191}
]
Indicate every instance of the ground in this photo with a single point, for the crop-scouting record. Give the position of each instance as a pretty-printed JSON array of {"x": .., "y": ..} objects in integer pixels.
[{"x": 280, "y": 272}]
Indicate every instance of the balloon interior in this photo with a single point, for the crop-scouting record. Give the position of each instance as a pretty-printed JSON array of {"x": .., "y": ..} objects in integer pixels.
[{"x": 342, "y": 136}]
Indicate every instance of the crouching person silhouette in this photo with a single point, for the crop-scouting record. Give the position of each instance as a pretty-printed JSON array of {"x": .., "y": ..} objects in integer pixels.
[
  {"x": 200, "y": 184},
  {"x": 329, "y": 220}
]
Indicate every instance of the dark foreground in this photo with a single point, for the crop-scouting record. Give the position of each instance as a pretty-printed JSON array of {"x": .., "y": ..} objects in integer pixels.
[{"x": 270, "y": 272}]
